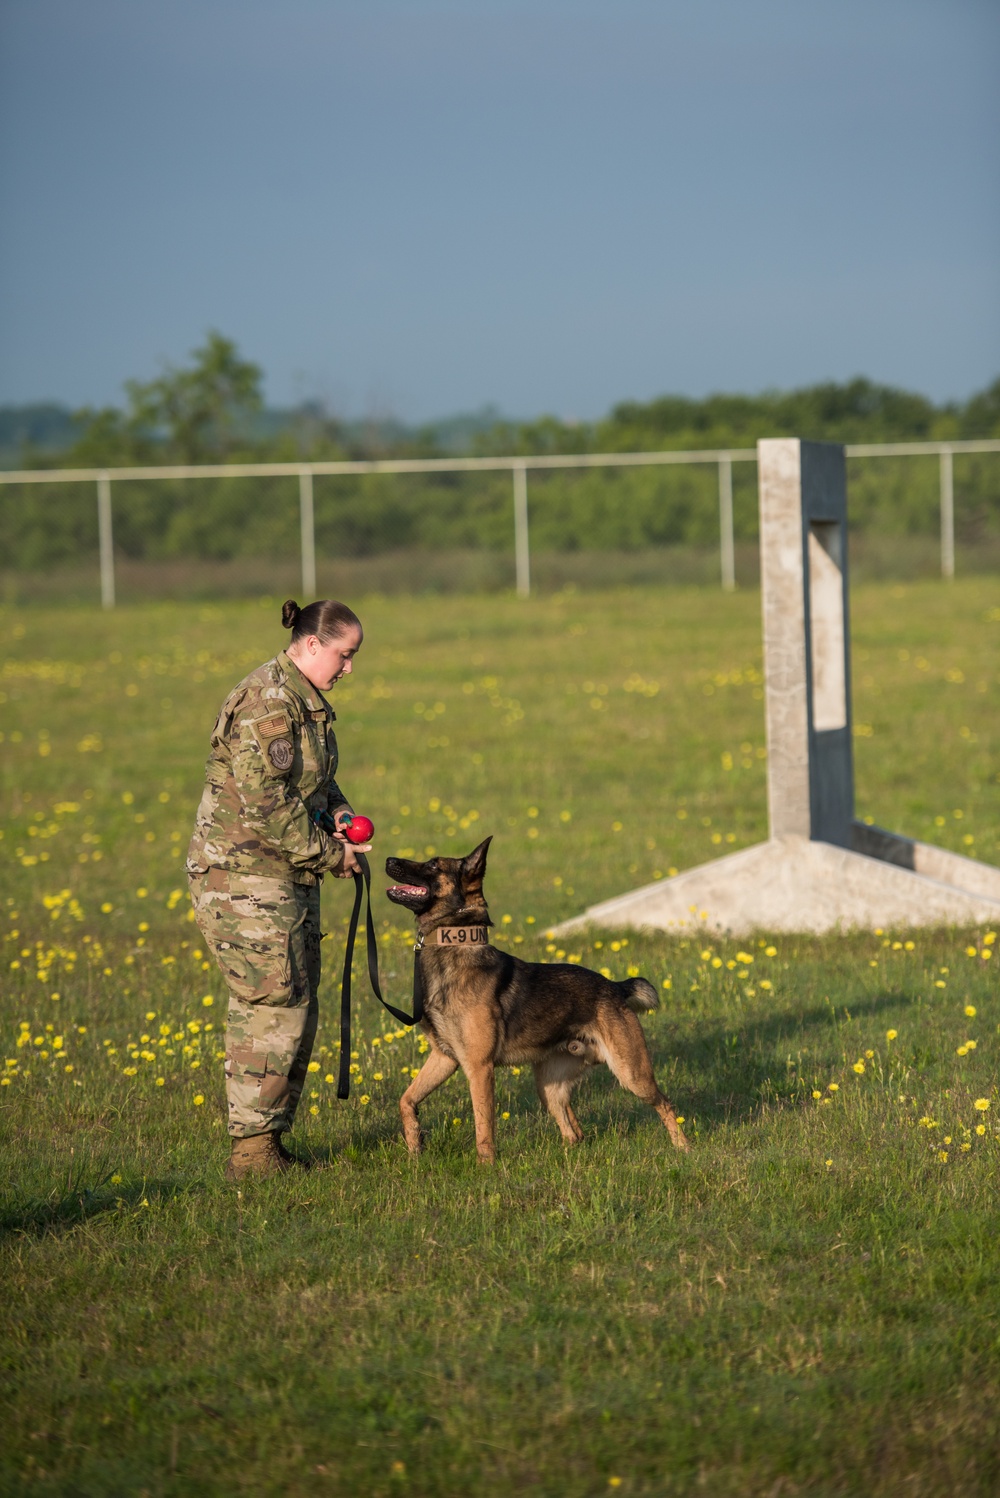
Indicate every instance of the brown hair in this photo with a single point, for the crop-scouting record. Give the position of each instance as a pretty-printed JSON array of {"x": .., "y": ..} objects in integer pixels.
[{"x": 326, "y": 619}]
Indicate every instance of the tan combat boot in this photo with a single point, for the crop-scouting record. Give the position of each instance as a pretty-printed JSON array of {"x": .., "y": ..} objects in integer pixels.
[{"x": 257, "y": 1155}]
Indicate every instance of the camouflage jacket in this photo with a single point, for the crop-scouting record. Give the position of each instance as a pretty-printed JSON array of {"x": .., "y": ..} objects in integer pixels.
[{"x": 273, "y": 759}]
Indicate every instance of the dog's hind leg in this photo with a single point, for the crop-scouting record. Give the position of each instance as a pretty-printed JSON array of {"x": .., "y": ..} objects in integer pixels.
[
  {"x": 554, "y": 1079},
  {"x": 628, "y": 1058},
  {"x": 436, "y": 1069}
]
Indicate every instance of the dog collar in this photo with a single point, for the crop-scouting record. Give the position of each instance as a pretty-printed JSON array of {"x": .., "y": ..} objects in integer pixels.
[{"x": 461, "y": 936}]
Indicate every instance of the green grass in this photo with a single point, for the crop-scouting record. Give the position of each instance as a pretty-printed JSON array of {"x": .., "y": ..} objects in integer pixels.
[{"x": 804, "y": 1304}]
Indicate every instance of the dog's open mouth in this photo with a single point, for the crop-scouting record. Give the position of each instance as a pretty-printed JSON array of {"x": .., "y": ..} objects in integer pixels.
[{"x": 404, "y": 894}]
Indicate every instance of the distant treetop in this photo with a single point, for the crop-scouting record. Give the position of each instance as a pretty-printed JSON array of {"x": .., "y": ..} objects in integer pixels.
[{"x": 212, "y": 409}]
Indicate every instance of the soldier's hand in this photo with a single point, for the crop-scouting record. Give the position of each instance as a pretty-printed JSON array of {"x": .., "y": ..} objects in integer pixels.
[{"x": 350, "y": 865}]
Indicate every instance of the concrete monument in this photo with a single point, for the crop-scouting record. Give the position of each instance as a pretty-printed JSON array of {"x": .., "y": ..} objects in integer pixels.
[{"x": 820, "y": 869}]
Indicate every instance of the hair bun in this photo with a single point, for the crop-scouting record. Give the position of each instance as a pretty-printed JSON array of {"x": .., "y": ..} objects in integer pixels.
[{"x": 290, "y": 612}]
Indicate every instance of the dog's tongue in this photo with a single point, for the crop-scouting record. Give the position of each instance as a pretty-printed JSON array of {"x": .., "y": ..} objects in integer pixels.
[{"x": 408, "y": 889}]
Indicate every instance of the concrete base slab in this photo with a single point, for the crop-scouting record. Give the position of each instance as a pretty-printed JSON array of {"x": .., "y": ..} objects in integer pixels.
[{"x": 796, "y": 884}]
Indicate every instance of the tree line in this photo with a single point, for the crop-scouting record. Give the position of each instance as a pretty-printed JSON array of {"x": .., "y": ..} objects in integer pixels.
[{"x": 212, "y": 409}]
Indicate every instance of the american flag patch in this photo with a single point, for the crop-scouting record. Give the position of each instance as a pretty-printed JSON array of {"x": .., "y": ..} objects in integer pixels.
[{"x": 272, "y": 727}]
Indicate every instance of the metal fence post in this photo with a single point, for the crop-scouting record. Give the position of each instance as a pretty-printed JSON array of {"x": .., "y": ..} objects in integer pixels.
[
  {"x": 522, "y": 554},
  {"x": 308, "y": 534},
  {"x": 727, "y": 553},
  {"x": 105, "y": 539},
  {"x": 947, "y": 513}
]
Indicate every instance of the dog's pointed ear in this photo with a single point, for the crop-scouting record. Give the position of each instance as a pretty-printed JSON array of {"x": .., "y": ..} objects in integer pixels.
[{"x": 474, "y": 863}]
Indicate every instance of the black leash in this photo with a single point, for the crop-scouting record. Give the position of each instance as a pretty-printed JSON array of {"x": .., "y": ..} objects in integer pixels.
[{"x": 362, "y": 887}]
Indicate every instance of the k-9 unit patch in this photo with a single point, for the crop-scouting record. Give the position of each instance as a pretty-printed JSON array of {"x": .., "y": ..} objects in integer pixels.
[
  {"x": 279, "y": 752},
  {"x": 462, "y": 936}
]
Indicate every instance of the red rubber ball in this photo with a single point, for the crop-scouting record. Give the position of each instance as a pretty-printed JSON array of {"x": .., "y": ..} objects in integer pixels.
[{"x": 359, "y": 830}]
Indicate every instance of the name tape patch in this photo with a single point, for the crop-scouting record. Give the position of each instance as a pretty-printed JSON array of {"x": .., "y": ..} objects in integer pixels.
[{"x": 462, "y": 936}]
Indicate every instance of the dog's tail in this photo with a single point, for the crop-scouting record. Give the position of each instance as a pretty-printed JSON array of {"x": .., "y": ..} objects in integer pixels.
[{"x": 639, "y": 995}]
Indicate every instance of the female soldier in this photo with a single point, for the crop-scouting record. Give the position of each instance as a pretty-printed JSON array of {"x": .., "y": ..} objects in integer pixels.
[{"x": 255, "y": 864}]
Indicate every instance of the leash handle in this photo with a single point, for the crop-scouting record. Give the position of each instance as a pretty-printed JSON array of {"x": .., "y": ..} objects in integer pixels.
[{"x": 363, "y": 887}]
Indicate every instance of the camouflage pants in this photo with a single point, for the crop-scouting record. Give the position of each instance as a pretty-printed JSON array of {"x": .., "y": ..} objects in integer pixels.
[{"x": 264, "y": 934}]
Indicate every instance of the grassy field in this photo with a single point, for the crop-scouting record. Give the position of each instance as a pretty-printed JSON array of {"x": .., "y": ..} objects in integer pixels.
[{"x": 806, "y": 1304}]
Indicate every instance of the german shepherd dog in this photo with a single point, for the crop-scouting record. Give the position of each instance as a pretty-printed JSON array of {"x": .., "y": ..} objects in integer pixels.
[{"x": 484, "y": 1008}]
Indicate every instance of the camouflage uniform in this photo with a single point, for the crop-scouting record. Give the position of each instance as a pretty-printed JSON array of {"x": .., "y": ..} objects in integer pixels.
[{"x": 255, "y": 863}]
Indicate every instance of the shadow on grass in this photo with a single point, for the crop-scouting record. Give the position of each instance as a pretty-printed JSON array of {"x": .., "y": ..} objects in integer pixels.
[
  {"x": 363, "y": 1139},
  {"x": 732, "y": 1066},
  {"x": 65, "y": 1209},
  {"x": 70, "y": 1204}
]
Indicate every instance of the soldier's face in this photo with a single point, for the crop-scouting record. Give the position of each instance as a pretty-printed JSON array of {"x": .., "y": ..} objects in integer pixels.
[{"x": 324, "y": 665}]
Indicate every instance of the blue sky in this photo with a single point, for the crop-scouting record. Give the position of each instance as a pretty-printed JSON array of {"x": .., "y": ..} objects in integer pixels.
[{"x": 421, "y": 207}]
